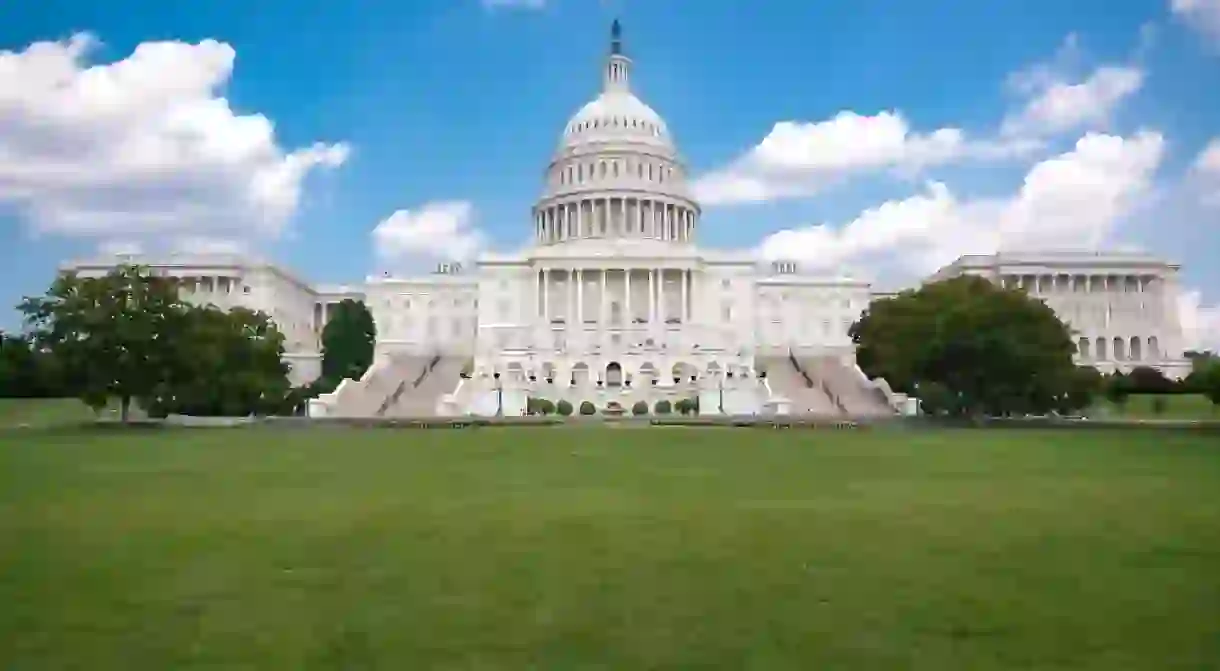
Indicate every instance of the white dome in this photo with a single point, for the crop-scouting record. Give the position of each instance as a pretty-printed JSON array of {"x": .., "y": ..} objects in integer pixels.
[{"x": 617, "y": 116}]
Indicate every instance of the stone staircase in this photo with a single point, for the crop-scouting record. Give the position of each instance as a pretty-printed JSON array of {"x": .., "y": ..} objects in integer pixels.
[
  {"x": 849, "y": 389},
  {"x": 807, "y": 396},
  {"x": 418, "y": 395},
  {"x": 366, "y": 397}
]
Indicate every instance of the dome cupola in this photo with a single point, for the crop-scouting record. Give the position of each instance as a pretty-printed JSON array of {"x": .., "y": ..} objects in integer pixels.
[{"x": 616, "y": 173}]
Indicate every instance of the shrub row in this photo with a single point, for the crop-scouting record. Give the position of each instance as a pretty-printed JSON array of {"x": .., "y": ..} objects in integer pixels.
[{"x": 544, "y": 407}]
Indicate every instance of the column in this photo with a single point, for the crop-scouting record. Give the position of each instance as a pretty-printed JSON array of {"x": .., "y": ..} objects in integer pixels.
[
  {"x": 602, "y": 304},
  {"x": 537, "y": 294},
  {"x": 661, "y": 296},
  {"x": 546, "y": 295},
  {"x": 682, "y": 309},
  {"x": 652, "y": 297},
  {"x": 580, "y": 297},
  {"x": 570, "y": 315},
  {"x": 627, "y": 297}
]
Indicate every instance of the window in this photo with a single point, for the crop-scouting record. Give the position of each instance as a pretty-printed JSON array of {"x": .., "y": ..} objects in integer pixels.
[
  {"x": 726, "y": 312},
  {"x": 724, "y": 284}
]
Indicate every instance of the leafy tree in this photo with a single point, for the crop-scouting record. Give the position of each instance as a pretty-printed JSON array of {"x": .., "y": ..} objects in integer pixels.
[
  {"x": 113, "y": 335},
  {"x": 639, "y": 408},
  {"x": 1087, "y": 382},
  {"x": 546, "y": 407},
  {"x": 663, "y": 407},
  {"x": 27, "y": 370},
  {"x": 994, "y": 351},
  {"x": 587, "y": 408},
  {"x": 1209, "y": 383},
  {"x": 1148, "y": 380},
  {"x": 564, "y": 408},
  {"x": 347, "y": 341},
  {"x": 1117, "y": 388},
  {"x": 230, "y": 364},
  {"x": 936, "y": 399}
]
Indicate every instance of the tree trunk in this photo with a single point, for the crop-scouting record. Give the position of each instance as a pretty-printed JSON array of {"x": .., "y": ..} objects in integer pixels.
[{"x": 124, "y": 409}]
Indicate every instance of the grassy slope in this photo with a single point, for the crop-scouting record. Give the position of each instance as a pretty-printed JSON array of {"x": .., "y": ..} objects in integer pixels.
[
  {"x": 615, "y": 549},
  {"x": 1177, "y": 406},
  {"x": 42, "y": 412}
]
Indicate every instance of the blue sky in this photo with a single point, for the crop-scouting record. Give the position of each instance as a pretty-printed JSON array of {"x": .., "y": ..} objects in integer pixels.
[{"x": 908, "y": 132}]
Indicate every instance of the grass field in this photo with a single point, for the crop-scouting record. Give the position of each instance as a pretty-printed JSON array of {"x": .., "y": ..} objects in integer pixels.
[
  {"x": 42, "y": 412},
  {"x": 609, "y": 549},
  {"x": 1177, "y": 406}
]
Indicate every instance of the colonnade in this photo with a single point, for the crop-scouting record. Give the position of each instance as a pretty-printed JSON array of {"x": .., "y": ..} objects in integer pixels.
[
  {"x": 606, "y": 295},
  {"x": 1078, "y": 283},
  {"x": 615, "y": 218}
]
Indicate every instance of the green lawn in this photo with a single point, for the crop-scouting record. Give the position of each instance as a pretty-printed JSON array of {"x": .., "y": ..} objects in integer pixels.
[
  {"x": 1177, "y": 406},
  {"x": 609, "y": 549},
  {"x": 42, "y": 412}
]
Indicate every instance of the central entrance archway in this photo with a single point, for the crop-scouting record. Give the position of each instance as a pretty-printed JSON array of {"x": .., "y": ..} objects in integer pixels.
[{"x": 614, "y": 374}]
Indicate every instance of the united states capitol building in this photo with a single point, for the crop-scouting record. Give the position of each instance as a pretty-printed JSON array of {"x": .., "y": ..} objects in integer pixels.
[{"x": 615, "y": 303}]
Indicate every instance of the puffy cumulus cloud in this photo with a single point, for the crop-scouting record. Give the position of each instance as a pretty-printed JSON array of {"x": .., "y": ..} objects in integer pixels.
[
  {"x": 143, "y": 145},
  {"x": 181, "y": 245},
  {"x": 440, "y": 230},
  {"x": 1204, "y": 179},
  {"x": 1056, "y": 105},
  {"x": 1208, "y": 161},
  {"x": 1073, "y": 200},
  {"x": 1055, "y": 100},
  {"x": 1203, "y": 15},
  {"x": 799, "y": 158},
  {"x": 1200, "y": 323}
]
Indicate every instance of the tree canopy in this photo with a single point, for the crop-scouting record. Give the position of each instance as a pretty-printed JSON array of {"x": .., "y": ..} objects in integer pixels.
[
  {"x": 1207, "y": 381},
  {"x": 968, "y": 346},
  {"x": 114, "y": 335},
  {"x": 230, "y": 364},
  {"x": 27, "y": 370},
  {"x": 348, "y": 341},
  {"x": 127, "y": 336}
]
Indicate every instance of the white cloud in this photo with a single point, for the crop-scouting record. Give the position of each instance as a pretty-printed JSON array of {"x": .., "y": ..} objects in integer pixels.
[
  {"x": 1057, "y": 106},
  {"x": 1073, "y": 200},
  {"x": 143, "y": 145},
  {"x": 1206, "y": 173},
  {"x": 1203, "y": 15},
  {"x": 1200, "y": 323},
  {"x": 438, "y": 230},
  {"x": 1208, "y": 160},
  {"x": 799, "y": 158}
]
